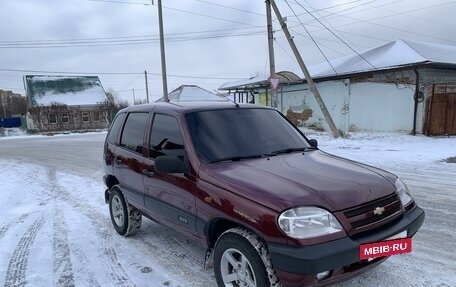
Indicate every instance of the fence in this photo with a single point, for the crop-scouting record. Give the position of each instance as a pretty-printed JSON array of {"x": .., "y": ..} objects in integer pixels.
[{"x": 10, "y": 122}]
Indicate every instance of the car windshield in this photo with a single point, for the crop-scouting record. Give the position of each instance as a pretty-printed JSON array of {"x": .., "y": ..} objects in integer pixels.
[{"x": 242, "y": 133}]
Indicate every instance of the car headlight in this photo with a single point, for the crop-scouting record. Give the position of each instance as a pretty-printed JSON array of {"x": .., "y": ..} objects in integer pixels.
[
  {"x": 306, "y": 222},
  {"x": 403, "y": 192}
]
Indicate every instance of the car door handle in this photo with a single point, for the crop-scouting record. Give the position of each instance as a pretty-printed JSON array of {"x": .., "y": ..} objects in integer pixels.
[
  {"x": 148, "y": 172},
  {"x": 119, "y": 160}
]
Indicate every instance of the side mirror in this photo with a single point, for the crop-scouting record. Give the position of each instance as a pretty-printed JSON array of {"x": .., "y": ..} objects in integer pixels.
[
  {"x": 314, "y": 143},
  {"x": 169, "y": 164}
]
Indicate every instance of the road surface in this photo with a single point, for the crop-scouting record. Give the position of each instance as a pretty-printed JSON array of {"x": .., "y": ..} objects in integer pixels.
[{"x": 55, "y": 229}]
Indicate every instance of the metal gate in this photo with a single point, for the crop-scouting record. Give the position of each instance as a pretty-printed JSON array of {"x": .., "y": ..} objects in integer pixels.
[{"x": 442, "y": 111}]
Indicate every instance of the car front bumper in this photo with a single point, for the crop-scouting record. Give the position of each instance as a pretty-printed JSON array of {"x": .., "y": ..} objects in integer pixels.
[{"x": 311, "y": 260}]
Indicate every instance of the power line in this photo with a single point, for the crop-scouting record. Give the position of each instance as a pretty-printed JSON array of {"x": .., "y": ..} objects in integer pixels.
[
  {"x": 116, "y": 73},
  {"x": 318, "y": 13},
  {"x": 121, "y": 2},
  {"x": 131, "y": 82},
  {"x": 130, "y": 40},
  {"x": 231, "y": 8},
  {"x": 68, "y": 73},
  {"x": 369, "y": 21},
  {"x": 414, "y": 16},
  {"x": 130, "y": 37},
  {"x": 334, "y": 13},
  {"x": 310, "y": 35},
  {"x": 176, "y": 9},
  {"x": 351, "y": 48}
]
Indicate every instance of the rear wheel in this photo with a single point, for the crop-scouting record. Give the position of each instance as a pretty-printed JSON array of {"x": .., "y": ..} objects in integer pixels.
[
  {"x": 125, "y": 218},
  {"x": 241, "y": 260}
]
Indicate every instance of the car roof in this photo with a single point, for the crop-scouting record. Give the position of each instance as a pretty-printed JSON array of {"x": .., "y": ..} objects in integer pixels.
[{"x": 186, "y": 107}]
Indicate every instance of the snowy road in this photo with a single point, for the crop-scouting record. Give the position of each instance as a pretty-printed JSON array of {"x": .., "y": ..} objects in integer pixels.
[{"x": 55, "y": 228}]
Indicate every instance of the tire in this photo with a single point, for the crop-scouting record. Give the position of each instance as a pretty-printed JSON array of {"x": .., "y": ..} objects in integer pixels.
[
  {"x": 125, "y": 218},
  {"x": 241, "y": 259}
]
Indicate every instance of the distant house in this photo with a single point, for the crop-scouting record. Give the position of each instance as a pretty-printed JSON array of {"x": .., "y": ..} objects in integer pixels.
[
  {"x": 57, "y": 103},
  {"x": 192, "y": 93},
  {"x": 402, "y": 86}
]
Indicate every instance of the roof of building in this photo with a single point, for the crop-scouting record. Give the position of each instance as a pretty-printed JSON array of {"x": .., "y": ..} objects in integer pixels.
[
  {"x": 394, "y": 55},
  {"x": 260, "y": 81},
  {"x": 192, "y": 93},
  {"x": 66, "y": 90}
]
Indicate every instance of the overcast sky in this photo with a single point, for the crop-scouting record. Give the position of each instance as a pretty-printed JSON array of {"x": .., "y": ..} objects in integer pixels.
[{"x": 208, "y": 42}]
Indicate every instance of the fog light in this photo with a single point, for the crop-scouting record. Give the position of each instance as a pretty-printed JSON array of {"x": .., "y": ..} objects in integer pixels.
[{"x": 322, "y": 275}]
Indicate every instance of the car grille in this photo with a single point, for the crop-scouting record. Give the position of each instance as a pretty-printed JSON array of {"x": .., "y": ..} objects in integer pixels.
[{"x": 373, "y": 214}]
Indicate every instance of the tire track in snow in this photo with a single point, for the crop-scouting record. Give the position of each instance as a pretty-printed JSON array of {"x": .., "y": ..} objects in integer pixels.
[
  {"x": 17, "y": 267},
  {"x": 6, "y": 227},
  {"x": 63, "y": 269},
  {"x": 107, "y": 251},
  {"x": 181, "y": 262},
  {"x": 171, "y": 250},
  {"x": 118, "y": 273}
]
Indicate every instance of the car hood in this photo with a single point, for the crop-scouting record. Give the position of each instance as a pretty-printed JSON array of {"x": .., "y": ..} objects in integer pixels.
[{"x": 312, "y": 178}]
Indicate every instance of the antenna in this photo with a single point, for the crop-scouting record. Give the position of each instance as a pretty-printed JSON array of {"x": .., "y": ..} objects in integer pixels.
[{"x": 221, "y": 95}]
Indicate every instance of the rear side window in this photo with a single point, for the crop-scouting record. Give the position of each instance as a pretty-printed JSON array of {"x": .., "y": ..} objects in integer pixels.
[
  {"x": 116, "y": 127},
  {"x": 166, "y": 137},
  {"x": 133, "y": 132}
]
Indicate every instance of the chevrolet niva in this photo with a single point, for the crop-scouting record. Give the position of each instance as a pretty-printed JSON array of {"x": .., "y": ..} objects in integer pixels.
[{"x": 269, "y": 206}]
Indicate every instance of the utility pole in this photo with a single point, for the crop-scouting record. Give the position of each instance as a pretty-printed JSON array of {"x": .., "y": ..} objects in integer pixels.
[
  {"x": 312, "y": 86},
  {"x": 147, "y": 87},
  {"x": 271, "y": 53},
  {"x": 162, "y": 49},
  {"x": 134, "y": 100}
]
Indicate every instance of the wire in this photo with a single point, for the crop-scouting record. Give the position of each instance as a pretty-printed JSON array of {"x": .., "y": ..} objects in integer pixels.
[
  {"x": 351, "y": 48},
  {"x": 337, "y": 5},
  {"x": 347, "y": 9},
  {"x": 335, "y": 35},
  {"x": 68, "y": 73},
  {"x": 232, "y": 8},
  {"x": 128, "y": 37},
  {"x": 318, "y": 13},
  {"x": 176, "y": 9},
  {"x": 131, "y": 82},
  {"x": 121, "y": 2},
  {"x": 368, "y": 21},
  {"x": 132, "y": 40},
  {"x": 310, "y": 35},
  {"x": 414, "y": 16},
  {"x": 116, "y": 73}
]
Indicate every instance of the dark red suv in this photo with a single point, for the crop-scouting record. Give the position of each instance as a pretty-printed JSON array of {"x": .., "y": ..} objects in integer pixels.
[{"x": 270, "y": 207}]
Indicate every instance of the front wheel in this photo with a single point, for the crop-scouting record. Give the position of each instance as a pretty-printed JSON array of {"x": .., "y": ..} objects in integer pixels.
[
  {"x": 125, "y": 218},
  {"x": 242, "y": 260}
]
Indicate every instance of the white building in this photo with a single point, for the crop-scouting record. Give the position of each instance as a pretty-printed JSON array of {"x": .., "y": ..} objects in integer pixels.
[{"x": 402, "y": 86}]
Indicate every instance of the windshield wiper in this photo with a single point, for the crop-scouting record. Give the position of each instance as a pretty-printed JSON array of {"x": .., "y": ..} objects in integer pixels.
[
  {"x": 236, "y": 158},
  {"x": 292, "y": 149}
]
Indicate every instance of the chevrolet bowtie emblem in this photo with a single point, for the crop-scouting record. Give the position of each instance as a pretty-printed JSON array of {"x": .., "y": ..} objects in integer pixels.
[{"x": 379, "y": 210}]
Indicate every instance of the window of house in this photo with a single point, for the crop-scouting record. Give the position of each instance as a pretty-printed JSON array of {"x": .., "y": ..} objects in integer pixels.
[
  {"x": 96, "y": 116},
  {"x": 65, "y": 118},
  {"x": 133, "y": 133},
  {"x": 166, "y": 137},
  {"x": 85, "y": 117},
  {"x": 52, "y": 119}
]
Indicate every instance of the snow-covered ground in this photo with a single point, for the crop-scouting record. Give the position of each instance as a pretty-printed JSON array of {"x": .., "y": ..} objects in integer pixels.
[{"x": 55, "y": 228}]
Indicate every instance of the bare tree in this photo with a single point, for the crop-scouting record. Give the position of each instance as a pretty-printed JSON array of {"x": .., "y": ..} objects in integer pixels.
[{"x": 49, "y": 117}]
